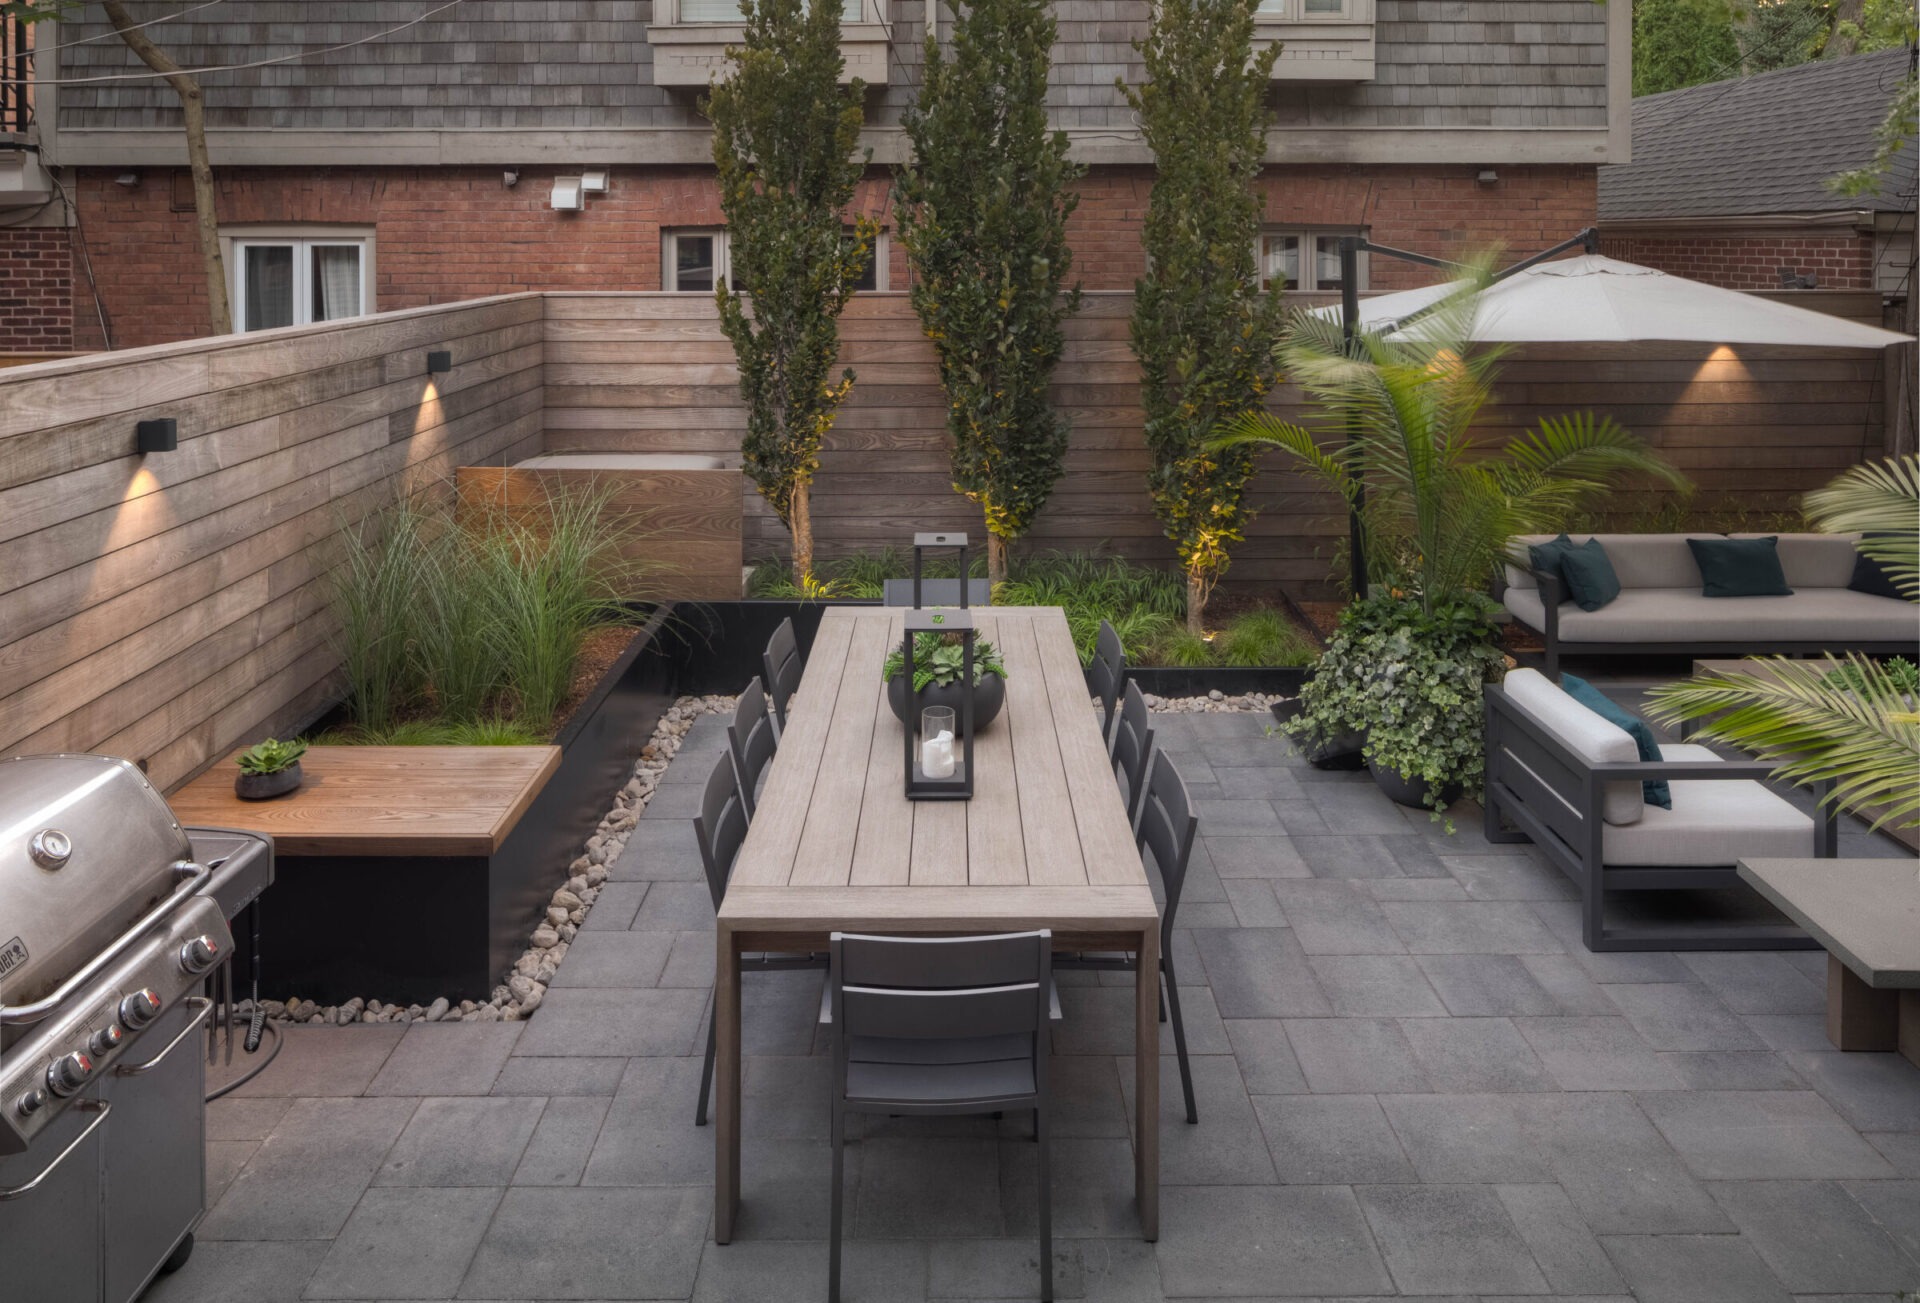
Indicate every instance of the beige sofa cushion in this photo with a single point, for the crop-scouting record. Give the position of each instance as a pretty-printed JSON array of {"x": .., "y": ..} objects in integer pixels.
[
  {"x": 1639, "y": 560},
  {"x": 1711, "y": 824},
  {"x": 1814, "y": 560},
  {"x": 1596, "y": 740},
  {"x": 1835, "y": 616}
]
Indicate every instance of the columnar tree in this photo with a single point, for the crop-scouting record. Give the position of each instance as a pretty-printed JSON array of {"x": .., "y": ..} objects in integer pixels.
[
  {"x": 1203, "y": 329},
  {"x": 982, "y": 211},
  {"x": 786, "y": 146}
]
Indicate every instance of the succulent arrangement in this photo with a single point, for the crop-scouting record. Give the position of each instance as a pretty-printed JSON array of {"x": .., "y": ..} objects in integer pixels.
[{"x": 272, "y": 756}]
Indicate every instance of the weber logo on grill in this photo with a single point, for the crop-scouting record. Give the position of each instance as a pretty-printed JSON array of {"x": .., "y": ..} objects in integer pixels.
[{"x": 12, "y": 955}]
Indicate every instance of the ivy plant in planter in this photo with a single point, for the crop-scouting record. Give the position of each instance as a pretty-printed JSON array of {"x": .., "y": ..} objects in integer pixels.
[
  {"x": 1408, "y": 682},
  {"x": 270, "y": 768},
  {"x": 938, "y": 664}
]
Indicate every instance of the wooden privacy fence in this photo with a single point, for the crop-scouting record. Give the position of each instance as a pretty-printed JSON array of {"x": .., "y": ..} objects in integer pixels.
[
  {"x": 642, "y": 372},
  {"x": 169, "y": 607}
]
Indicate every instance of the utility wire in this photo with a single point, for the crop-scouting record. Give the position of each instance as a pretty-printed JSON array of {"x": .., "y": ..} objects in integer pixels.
[
  {"x": 232, "y": 67},
  {"x": 115, "y": 35}
]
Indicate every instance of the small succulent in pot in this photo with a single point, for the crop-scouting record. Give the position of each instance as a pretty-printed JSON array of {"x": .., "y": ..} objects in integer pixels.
[
  {"x": 268, "y": 769},
  {"x": 938, "y": 663}
]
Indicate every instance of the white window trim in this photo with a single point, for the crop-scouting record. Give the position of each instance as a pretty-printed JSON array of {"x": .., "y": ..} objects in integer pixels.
[
  {"x": 1307, "y": 236},
  {"x": 723, "y": 257},
  {"x": 868, "y": 11},
  {"x": 235, "y": 239}
]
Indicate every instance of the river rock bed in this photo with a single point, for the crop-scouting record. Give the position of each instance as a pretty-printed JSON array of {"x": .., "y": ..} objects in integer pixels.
[
  {"x": 526, "y": 986},
  {"x": 1215, "y": 703}
]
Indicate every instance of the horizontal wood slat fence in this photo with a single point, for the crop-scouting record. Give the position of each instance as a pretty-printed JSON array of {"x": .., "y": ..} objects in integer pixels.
[{"x": 168, "y": 608}]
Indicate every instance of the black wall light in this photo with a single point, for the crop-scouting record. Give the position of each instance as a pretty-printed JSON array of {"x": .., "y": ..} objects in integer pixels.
[
  {"x": 438, "y": 361},
  {"x": 162, "y": 435}
]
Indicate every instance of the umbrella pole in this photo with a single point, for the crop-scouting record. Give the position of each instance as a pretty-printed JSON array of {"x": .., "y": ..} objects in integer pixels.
[{"x": 1349, "y": 327}]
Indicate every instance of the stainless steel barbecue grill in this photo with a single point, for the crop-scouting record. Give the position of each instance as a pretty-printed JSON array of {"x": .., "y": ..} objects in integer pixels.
[{"x": 112, "y": 919}]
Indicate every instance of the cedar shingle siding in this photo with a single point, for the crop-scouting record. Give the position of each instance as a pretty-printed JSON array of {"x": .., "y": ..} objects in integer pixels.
[{"x": 557, "y": 64}]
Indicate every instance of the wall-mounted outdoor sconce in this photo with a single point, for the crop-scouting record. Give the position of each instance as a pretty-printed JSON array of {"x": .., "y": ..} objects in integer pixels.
[
  {"x": 439, "y": 362},
  {"x": 568, "y": 196},
  {"x": 1488, "y": 177},
  {"x": 127, "y": 179},
  {"x": 510, "y": 178},
  {"x": 595, "y": 182},
  {"x": 161, "y": 435}
]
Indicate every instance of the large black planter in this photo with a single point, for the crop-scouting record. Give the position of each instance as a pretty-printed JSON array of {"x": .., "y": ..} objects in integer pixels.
[
  {"x": 413, "y": 928},
  {"x": 1410, "y": 792},
  {"x": 989, "y": 694}
]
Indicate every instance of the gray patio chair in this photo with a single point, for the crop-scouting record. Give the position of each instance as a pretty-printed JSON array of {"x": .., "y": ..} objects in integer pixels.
[
  {"x": 751, "y": 741},
  {"x": 935, "y": 592},
  {"x": 1106, "y": 675},
  {"x": 938, "y": 1027},
  {"x": 1132, "y": 749},
  {"x": 1167, "y": 827},
  {"x": 783, "y": 664},
  {"x": 720, "y": 827}
]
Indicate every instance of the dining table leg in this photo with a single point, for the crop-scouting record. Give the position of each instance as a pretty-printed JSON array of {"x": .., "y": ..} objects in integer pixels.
[
  {"x": 726, "y": 1118},
  {"x": 1146, "y": 1084}
]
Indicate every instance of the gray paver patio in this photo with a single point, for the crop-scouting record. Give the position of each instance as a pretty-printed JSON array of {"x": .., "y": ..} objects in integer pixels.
[{"x": 1412, "y": 1080}]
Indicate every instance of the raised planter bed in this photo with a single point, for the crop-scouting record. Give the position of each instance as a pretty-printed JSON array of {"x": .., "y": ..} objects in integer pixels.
[{"x": 412, "y": 920}]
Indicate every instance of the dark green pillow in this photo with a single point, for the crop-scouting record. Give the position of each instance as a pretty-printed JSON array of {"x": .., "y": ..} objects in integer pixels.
[
  {"x": 1654, "y": 790},
  {"x": 1590, "y": 578},
  {"x": 1739, "y": 567},
  {"x": 1869, "y": 576},
  {"x": 1546, "y": 558}
]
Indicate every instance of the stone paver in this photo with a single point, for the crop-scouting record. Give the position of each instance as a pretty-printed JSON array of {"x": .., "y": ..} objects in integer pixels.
[{"x": 1413, "y": 1080}]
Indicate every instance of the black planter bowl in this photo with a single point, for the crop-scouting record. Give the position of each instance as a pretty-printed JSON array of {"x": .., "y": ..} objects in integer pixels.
[
  {"x": 1410, "y": 792},
  {"x": 989, "y": 694},
  {"x": 264, "y": 787}
]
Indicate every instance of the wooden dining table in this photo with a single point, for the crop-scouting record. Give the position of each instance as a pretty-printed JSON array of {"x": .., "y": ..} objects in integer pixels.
[{"x": 836, "y": 846}]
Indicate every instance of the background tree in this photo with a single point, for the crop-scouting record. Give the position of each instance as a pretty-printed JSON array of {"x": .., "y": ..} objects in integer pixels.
[
  {"x": 982, "y": 211},
  {"x": 1678, "y": 43},
  {"x": 1202, "y": 328},
  {"x": 193, "y": 114},
  {"x": 785, "y": 145}
]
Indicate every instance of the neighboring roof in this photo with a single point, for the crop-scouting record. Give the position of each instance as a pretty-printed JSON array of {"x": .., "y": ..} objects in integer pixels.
[{"x": 1762, "y": 144}]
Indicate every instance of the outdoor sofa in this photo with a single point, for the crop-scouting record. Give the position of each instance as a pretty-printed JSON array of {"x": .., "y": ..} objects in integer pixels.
[
  {"x": 1661, "y": 608},
  {"x": 1570, "y": 780}
]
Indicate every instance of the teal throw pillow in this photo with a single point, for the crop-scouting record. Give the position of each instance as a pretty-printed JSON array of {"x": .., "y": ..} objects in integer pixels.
[
  {"x": 1590, "y": 578},
  {"x": 1546, "y": 558},
  {"x": 1739, "y": 567},
  {"x": 1655, "y": 791},
  {"x": 1869, "y": 576}
]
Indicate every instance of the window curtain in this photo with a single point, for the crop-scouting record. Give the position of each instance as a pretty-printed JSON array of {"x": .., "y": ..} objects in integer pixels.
[
  {"x": 336, "y": 281},
  {"x": 269, "y": 298}
]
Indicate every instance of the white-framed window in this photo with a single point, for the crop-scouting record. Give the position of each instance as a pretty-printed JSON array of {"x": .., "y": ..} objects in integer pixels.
[
  {"x": 292, "y": 277},
  {"x": 692, "y": 258},
  {"x": 1306, "y": 10},
  {"x": 1305, "y": 260},
  {"x": 728, "y": 11}
]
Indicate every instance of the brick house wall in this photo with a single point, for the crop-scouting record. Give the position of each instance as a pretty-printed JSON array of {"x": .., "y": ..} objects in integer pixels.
[
  {"x": 448, "y": 233},
  {"x": 1754, "y": 261},
  {"x": 36, "y": 290}
]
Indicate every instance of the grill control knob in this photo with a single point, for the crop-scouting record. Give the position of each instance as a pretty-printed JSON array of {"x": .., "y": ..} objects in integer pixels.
[
  {"x": 105, "y": 1041},
  {"x": 199, "y": 954},
  {"x": 139, "y": 1009},
  {"x": 30, "y": 1103},
  {"x": 65, "y": 1076}
]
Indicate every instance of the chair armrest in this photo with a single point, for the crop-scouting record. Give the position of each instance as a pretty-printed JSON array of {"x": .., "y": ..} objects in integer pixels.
[{"x": 1687, "y": 769}]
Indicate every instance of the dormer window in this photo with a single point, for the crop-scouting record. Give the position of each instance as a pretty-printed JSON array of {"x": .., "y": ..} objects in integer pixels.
[
  {"x": 1320, "y": 40},
  {"x": 690, "y": 45}
]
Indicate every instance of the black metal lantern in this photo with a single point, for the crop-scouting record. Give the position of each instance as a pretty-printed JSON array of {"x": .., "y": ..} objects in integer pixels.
[
  {"x": 939, "y": 762},
  {"x": 922, "y": 543}
]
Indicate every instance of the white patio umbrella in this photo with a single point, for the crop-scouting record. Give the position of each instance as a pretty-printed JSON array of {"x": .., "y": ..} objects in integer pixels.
[{"x": 1594, "y": 299}]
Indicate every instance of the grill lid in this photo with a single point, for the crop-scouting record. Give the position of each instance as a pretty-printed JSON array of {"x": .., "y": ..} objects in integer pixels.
[{"x": 86, "y": 847}]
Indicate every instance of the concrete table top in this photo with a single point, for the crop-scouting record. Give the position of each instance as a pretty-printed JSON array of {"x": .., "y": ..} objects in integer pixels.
[{"x": 1865, "y": 912}]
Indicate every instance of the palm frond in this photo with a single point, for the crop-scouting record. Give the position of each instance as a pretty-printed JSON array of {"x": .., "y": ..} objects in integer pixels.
[
  {"x": 1267, "y": 429},
  {"x": 1863, "y": 738},
  {"x": 1878, "y": 498}
]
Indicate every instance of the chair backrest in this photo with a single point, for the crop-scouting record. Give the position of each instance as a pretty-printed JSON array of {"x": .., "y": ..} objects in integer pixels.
[
  {"x": 751, "y": 740},
  {"x": 1167, "y": 826},
  {"x": 941, "y": 988},
  {"x": 783, "y": 665},
  {"x": 935, "y": 592},
  {"x": 1132, "y": 748},
  {"x": 1107, "y": 673},
  {"x": 720, "y": 826}
]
